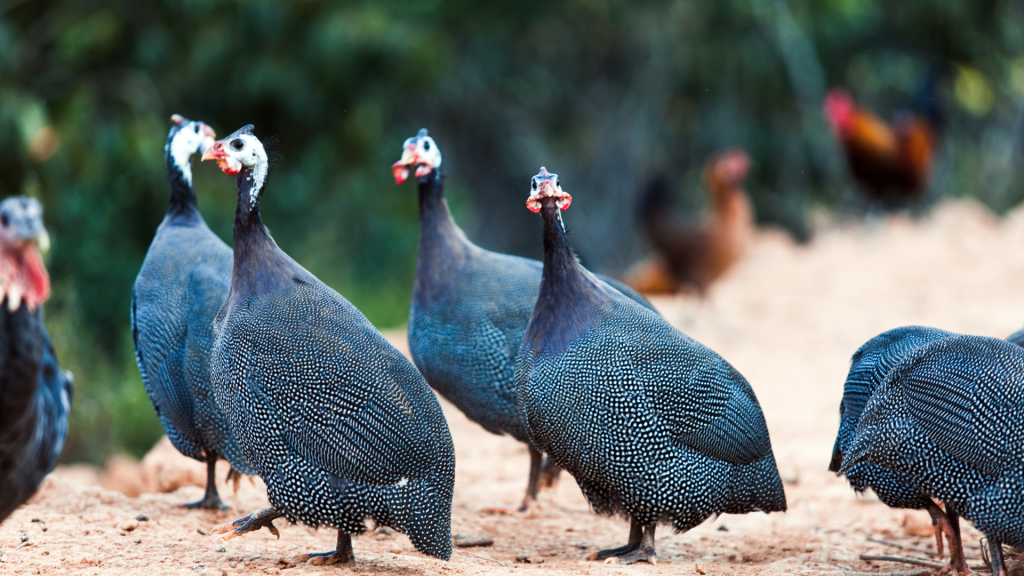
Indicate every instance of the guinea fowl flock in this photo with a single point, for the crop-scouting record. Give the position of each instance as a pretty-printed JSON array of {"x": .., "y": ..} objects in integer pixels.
[{"x": 249, "y": 358}]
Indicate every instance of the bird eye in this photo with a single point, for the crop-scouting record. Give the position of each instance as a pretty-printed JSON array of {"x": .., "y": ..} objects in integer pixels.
[
  {"x": 558, "y": 183},
  {"x": 426, "y": 145},
  {"x": 534, "y": 183},
  {"x": 237, "y": 144},
  {"x": 196, "y": 127},
  {"x": 3, "y": 220}
]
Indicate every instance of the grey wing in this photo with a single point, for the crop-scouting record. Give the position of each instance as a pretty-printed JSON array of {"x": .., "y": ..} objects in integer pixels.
[
  {"x": 162, "y": 370},
  {"x": 966, "y": 394},
  {"x": 355, "y": 421},
  {"x": 709, "y": 406}
]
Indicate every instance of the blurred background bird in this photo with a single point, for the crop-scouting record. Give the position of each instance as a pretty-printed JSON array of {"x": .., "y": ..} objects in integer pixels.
[
  {"x": 891, "y": 161},
  {"x": 690, "y": 254}
]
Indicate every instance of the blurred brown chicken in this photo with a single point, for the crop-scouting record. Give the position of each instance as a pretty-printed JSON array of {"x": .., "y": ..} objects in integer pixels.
[
  {"x": 690, "y": 255},
  {"x": 892, "y": 162}
]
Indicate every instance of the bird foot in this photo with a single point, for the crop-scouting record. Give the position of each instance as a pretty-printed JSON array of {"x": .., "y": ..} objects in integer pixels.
[
  {"x": 324, "y": 558},
  {"x": 626, "y": 555},
  {"x": 251, "y": 523},
  {"x": 209, "y": 502},
  {"x": 525, "y": 510}
]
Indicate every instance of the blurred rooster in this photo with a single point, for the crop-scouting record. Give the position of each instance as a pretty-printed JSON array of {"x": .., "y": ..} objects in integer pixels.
[
  {"x": 689, "y": 255},
  {"x": 892, "y": 162}
]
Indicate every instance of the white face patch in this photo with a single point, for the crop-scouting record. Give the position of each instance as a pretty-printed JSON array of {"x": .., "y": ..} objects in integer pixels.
[
  {"x": 427, "y": 149},
  {"x": 248, "y": 150},
  {"x": 183, "y": 145}
]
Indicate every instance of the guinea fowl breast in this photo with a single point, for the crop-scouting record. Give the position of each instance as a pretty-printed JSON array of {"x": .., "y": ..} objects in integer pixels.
[
  {"x": 652, "y": 424},
  {"x": 181, "y": 286},
  {"x": 35, "y": 394},
  {"x": 337, "y": 422}
]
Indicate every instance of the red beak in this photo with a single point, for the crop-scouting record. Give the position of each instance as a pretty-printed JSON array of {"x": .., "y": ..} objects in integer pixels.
[{"x": 225, "y": 162}]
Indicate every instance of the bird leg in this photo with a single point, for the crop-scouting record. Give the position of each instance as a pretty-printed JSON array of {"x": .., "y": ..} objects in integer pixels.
[
  {"x": 251, "y": 523},
  {"x": 529, "y": 504},
  {"x": 940, "y": 524},
  {"x": 948, "y": 522},
  {"x": 957, "y": 561},
  {"x": 549, "y": 474},
  {"x": 211, "y": 500},
  {"x": 995, "y": 556},
  {"x": 341, "y": 554},
  {"x": 235, "y": 476},
  {"x": 639, "y": 549}
]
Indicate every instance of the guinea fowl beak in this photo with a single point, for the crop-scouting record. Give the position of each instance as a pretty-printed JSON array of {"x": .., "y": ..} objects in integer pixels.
[
  {"x": 410, "y": 158},
  {"x": 209, "y": 138},
  {"x": 43, "y": 241},
  {"x": 225, "y": 162},
  {"x": 548, "y": 188}
]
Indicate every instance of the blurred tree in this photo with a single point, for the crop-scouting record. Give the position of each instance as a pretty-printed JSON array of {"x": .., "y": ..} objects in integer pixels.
[{"x": 604, "y": 92}]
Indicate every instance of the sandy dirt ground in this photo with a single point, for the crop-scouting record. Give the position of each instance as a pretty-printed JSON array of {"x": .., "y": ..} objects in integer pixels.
[{"x": 788, "y": 318}]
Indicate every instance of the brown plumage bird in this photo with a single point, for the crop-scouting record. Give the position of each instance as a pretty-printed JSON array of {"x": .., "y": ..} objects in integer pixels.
[
  {"x": 891, "y": 162},
  {"x": 689, "y": 256}
]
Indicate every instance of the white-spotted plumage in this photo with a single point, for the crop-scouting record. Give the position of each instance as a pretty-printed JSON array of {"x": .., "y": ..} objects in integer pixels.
[
  {"x": 950, "y": 416},
  {"x": 339, "y": 424}
]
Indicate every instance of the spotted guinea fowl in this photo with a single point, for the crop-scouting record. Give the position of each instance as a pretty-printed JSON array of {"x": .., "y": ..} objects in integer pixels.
[
  {"x": 35, "y": 395},
  {"x": 337, "y": 422},
  {"x": 652, "y": 424},
  {"x": 182, "y": 284},
  {"x": 869, "y": 367},
  {"x": 470, "y": 308},
  {"x": 950, "y": 416}
]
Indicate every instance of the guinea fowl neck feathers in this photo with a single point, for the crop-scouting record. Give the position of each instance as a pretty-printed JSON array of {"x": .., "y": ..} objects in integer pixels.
[
  {"x": 259, "y": 266},
  {"x": 443, "y": 245},
  {"x": 183, "y": 202},
  {"x": 571, "y": 298}
]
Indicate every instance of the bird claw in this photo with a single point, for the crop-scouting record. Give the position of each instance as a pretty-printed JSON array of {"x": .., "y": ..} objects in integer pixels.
[{"x": 250, "y": 523}]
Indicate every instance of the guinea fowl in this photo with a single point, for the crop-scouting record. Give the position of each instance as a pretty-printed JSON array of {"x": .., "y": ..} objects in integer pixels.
[
  {"x": 337, "y": 422},
  {"x": 950, "y": 416},
  {"x": 182, "y": 284},
  {"x": 869, "y": 367},
  {"x": 692, "y": 255},
  {"x": 652, "y": 424},
  {"x": 470, "y": 308},
  {"x": 35, "y": 395}
]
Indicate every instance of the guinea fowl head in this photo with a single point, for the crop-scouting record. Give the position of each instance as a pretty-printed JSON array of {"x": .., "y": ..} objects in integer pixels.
[
  {"x": 419, "y": 153},
  {"x": 23, "y": 276},
  {"x": 185, "y": 139},
  {"x": 546, "y": 185},
  {"x": 242, "y": 154}
]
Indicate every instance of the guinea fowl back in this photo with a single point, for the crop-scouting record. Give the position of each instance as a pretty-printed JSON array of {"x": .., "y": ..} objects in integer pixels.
[
  {"x": 869, "y": 367},
  {"x": 950, "y": 415}
]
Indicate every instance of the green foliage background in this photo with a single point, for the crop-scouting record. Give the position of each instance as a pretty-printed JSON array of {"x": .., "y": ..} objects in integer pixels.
[{"x": 604, "y": 92}]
